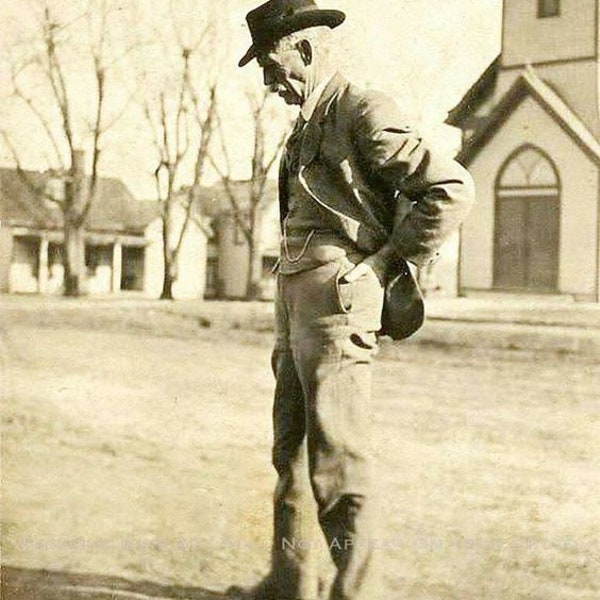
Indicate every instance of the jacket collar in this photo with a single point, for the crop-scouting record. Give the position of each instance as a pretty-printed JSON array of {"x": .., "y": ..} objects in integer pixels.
[
  {"x": 311, "y": 103},
  {"x": 312, "y": 136},
  {"x": 334, "y": 86}
]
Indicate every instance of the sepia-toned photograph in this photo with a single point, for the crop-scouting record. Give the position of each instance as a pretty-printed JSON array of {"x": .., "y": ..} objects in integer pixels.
[{"x": 300, "y": 299}]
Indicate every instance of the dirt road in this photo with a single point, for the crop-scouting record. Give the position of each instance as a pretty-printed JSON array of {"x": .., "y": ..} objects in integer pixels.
[{"x": 142, "y": 452}]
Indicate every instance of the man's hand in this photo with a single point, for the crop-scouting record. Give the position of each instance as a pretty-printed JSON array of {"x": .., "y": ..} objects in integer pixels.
[{"x": 378, "y": 263}]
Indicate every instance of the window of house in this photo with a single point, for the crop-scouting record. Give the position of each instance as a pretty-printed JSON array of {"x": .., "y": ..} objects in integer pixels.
[
  {"x": 26, "y": 254},
  {"x": 268, "y": 265},
  {"x": 91, "y": 260},
  {"x": 212, "y": 277},
  {"x": 96, "y": 256},
  {"x": 55, "y": 254},
  {"x": 132, "y": 268},
  {"x": 55, "y": 262},
  {"x": 548, "y": 8}
]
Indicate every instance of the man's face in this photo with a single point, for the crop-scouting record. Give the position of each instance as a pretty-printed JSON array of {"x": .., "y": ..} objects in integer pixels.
[{"x": 284, "y": 71}]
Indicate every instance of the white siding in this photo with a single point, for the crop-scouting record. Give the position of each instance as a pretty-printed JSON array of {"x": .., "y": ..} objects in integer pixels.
[
  {"x": 233, "y": 258},
  {"x": 192, "y": 261}
]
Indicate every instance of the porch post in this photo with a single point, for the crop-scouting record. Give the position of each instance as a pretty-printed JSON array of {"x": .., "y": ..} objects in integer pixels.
[
  {"x": 43, "y": 266},
  {"x": 117, "y": 267}
]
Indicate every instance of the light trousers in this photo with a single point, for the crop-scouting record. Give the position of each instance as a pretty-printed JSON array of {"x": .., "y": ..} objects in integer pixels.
[{"x": 324, "y": 511}]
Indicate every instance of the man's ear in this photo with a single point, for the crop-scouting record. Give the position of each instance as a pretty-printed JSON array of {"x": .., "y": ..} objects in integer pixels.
[{"x": 306, "y": 51}]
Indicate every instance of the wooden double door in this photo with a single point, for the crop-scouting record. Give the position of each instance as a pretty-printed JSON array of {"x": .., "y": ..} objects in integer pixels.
[{"x": 526, "y": 253}]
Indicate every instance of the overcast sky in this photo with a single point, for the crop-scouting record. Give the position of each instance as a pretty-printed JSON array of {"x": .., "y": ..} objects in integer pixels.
[{"x": 424, "y": 53}]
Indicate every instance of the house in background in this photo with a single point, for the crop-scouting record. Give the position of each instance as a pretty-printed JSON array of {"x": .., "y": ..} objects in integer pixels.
[
  {"x": 227, "y": 261},
  {"x": 531, "y": 140},
  {"x": 193, "y": 257},
  {"x": 123, "y": 245}
]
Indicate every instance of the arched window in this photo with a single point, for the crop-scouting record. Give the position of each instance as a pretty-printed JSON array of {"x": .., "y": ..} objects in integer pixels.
[
  {"x": 529, "y": 167},
  {"x": 527, "y": 222}
]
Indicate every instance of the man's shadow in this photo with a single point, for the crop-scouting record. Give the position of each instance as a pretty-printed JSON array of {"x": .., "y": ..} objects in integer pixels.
[{"x": 37, "y": 584}]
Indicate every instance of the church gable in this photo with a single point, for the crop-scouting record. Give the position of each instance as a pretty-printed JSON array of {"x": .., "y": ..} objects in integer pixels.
[{"x": 530, "y": 87}]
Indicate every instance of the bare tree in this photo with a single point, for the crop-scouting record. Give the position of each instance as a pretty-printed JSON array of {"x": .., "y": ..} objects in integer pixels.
[
  {"x": 247, "y": 211},
  {"x": 180, "y": 113},
  {"x": 42, "y": 74}
]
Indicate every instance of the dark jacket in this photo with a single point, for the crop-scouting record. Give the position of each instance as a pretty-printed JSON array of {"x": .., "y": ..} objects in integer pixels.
[{"x": 378, "y": 179}]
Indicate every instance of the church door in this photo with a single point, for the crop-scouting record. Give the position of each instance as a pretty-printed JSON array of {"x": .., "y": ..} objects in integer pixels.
[{"x": 527, "y": 224}]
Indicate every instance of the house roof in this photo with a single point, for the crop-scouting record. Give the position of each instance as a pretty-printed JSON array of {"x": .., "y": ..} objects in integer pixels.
[
  {"x": 529, "y": 84},
  {"x": 214, "y": 200},
  {"x": 19, "y": 204},
  {"x": 115, "y": 209}
]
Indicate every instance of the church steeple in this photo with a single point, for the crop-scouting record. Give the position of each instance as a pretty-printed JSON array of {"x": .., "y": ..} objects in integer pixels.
[
  {"x": 560, "y": 39},
  {"x": 549, "y": 31}
]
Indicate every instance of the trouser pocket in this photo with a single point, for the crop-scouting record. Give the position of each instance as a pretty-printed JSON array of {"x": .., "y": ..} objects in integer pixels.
[
  {"x": 343, "y": 290},
  {"x": 361, "y": 299}
]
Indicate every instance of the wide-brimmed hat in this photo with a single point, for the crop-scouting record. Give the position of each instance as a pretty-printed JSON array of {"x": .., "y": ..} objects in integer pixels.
[{"x": 277, "y": 18}]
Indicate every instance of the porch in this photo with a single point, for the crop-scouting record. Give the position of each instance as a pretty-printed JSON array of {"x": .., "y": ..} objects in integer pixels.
[{"x": 113, "y": 263}]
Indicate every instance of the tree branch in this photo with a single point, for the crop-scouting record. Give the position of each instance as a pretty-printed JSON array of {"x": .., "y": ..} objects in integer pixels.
[
  {"x": 56, "y": 77},
  {"x": 40, "y": 192},
  {"x": 207, "y": 128},
  {"x": 226, "y": 180},
  {"x": 21, "y": 95}
]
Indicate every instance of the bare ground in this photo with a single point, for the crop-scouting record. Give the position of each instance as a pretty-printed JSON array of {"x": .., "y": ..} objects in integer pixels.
[{"x": 136, "y": 449}]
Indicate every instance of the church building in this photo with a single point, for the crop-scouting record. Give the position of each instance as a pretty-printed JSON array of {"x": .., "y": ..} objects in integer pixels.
[{"x": 531, "y": 140}]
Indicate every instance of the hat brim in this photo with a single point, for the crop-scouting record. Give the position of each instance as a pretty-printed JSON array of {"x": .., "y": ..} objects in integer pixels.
[{"x": 313, "y": 18}]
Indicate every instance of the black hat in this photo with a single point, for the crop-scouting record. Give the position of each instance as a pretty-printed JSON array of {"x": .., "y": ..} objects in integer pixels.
[
  {"x": 403, "y": 308},
  {"x": 277, "y": 18}
]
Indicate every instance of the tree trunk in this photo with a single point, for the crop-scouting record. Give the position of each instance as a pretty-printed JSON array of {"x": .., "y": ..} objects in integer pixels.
[
  {"x": 170, "y": 262},
  {"x": 167, "y": 290},
  {"x": 74, "y": 258},
  {"x": 74, "y": 227},
  {"x": 253, "y": 287}
]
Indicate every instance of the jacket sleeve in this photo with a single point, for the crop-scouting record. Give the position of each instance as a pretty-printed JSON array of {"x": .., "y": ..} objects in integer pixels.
[{"x": 441, "y": 191}]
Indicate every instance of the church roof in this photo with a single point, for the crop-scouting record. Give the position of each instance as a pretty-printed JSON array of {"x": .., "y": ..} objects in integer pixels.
[
  {"x": 477, "y": 94},
  {"x": 527, "y": 84}
]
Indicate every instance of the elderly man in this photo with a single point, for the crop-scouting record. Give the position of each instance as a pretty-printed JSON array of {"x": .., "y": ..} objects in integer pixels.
[{"x": 360, "y": 194}]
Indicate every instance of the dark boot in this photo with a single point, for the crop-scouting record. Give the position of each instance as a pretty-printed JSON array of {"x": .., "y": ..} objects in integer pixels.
[{"x": 348, "y": 527}]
